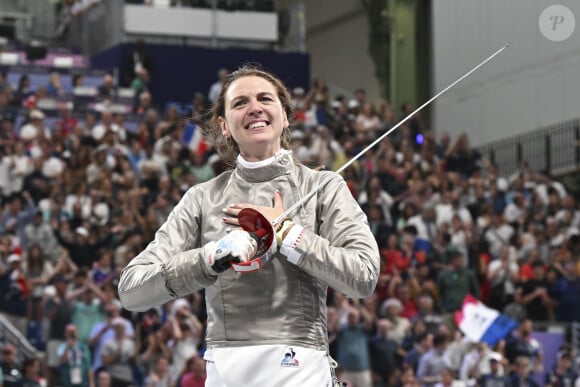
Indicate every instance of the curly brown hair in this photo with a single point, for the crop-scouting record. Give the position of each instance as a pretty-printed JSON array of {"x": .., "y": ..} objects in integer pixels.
[{"x": 226, "y": 147}]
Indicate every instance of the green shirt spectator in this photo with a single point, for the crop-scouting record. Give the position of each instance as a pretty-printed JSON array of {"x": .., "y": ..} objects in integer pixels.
[
  {"x": 455, "y": 283},
  {"x": 87, "y": 312}
]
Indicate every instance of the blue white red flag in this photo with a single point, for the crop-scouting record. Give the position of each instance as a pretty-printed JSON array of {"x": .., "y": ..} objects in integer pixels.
[
  {"x": 193, "y": 138},
  {"x": 480, "y": 323}
]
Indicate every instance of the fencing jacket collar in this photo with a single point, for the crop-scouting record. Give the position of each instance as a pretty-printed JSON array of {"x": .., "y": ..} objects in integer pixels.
[{"x": 264, "y": 170}]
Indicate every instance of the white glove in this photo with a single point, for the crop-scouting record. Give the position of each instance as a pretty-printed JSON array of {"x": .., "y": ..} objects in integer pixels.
[
  {"x": 256, "y": 263},
  {"x": 236, "y": 246}
]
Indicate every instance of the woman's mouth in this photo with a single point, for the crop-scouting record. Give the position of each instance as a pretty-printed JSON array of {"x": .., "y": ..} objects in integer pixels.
[{"x": 256, "y": 125}]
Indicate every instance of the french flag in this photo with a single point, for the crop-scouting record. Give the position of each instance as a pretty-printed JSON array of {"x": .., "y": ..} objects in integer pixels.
[
  {"x": 480, "y": 323},
  {"x": 193, "y": 138}
]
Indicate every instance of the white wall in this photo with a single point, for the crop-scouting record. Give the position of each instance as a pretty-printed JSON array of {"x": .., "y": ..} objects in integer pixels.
[
  {"x": 196, "y": 22},
  {"x": 337, "y": 41},
  {"x": 535, "y": 82}
]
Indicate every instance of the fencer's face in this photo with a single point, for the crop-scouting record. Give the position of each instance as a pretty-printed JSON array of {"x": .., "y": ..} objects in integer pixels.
[{"x": 254, "y": 117}]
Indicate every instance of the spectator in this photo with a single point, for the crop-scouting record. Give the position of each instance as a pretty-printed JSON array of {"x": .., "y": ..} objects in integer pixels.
[
  {"x": 367, "y": 122},
  {"x": 200, "y": 169},
  {"x": 216, "y": 87},
  {"x": 383, "y": 353},
  {"x": 427, "y": 313},
  {"x": 141, "y": 82},
  {"x": 460, "y": 157},
  {"x": 144, "y": 105},
  {"x": 136, "y": 60},
  {"x": 155, "y": 348},
  {"x": 495, "y": 377},
  {"x": 107, "y": 89},
  {"x": 515, "y": 211},
  {"x": 451, "y": 207},
  {"x": 375, "y": 195},
  {"x": 10, "y": 367},
  {"x": 185, "y": 332},
  {"x": 38, "y": 270},
  {"x": 7, "y": 111},
  {"x": 39, "y": 233},
  {"x": 413, "y": 256},
  {"x": 118, "y": 355},
  {"x": 31, "y": 374},
  {"x": 159, "y": 375},
  {"x": 448, "y": 380},
  {"x": 498, "y": 234},
  {"x": 521, "y": 345},
  {"x": 503, "y": 275},
  {"x": 54, "y": 87},
  {"x": 75, "y": 360},
  {"x": 423, "y": 344},
  {"x": 353, "y": 350},
  {"x": 399, "y": 326},
  {"x": 522, "y": 376},
  {"x": 566, "y": 292},
  {"x": 36, "y": 183},
  {"x": 35, "y": 131},
  {"x": 425, "y": 226},
  {"x": 23, "y": 91},
  {"x": 478, "y": 362},
  {"x": 14, "y": 218},
  {"x": 534, "y": 295},
  {"x": 103, "y": 379},
  {"x": 455, "y": 283},
  {"x": 417, "y": 329},
  {"x": 20, "y": 167},
  {"x": 80, "y": 247},
  {"x": 432, "y": 363},
  {"x": 87, "y": 309},
  {"x": 563, "y": 373},
  {"x": 194, "y": 375},
  {"x": 106, "y": 125},
  {"x": 377, "y": 223},
  {"x": 59, "y": 311},
  {"x": 15, "y": 293},
  {"x": 104, "y": 332}
]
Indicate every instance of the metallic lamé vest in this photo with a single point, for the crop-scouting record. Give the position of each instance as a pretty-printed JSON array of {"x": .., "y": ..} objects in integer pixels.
[{"x": 282, "y": 302}]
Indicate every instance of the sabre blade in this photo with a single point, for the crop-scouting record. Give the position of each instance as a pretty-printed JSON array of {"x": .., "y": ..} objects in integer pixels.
[{"x": 382, "y": 137}]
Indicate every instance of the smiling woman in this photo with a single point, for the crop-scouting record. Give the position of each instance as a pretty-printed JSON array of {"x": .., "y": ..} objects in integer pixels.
[
  {"x": 267, "y": 327},
  {"x": 253, "y": 99},
  {"x": 255, "y": 118}
]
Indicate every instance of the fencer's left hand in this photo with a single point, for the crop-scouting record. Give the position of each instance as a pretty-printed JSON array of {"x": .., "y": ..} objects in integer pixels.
[{"x": 270, "y": 213}]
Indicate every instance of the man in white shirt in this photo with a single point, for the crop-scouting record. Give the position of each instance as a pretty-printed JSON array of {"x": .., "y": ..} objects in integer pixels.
[
  {"x": 453, "y": 206},
  {"x": 216, "y": 88},
  {"x": 107, "y": 123},
  {"x": 35, "y": 128},
  {"x": 498, "y": 234},
  {"x": 476, "y": 363}
]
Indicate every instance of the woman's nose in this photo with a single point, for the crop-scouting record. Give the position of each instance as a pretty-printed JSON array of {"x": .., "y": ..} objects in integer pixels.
[{"x": 255, "y": 107}]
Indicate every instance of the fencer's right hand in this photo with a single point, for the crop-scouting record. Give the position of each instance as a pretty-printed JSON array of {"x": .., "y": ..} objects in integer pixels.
[{"x": 236, "y": 246}]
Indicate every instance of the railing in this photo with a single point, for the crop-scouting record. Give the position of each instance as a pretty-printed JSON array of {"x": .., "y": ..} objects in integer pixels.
[
  {"x": 575, "y": 335},
  {"x": 555, "y": 149},
  {"x": 9, "y": 334},
  {"x": 96, "y": 29}
]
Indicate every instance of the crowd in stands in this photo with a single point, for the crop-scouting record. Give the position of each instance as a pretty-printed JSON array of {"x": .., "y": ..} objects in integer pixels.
[{"x": 82, "y": 197}]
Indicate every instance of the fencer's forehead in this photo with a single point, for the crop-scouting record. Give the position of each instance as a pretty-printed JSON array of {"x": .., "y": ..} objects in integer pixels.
[{"x": 249, "y": 86}]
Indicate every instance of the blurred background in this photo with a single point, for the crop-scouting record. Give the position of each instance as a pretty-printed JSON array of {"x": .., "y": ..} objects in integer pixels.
[{"x": 97, "y": 146}]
